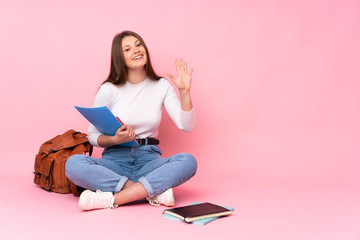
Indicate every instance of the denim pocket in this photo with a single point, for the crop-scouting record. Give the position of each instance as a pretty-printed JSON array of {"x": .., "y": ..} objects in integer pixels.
[
  {"x": 155, "y": 149},
  {"x": 106, "y": 150},
  {"x": 114, "y": 150}
]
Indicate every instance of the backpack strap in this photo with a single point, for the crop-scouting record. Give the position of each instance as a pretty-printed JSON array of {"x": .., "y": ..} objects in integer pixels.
[{"x": 69, "y": 139}]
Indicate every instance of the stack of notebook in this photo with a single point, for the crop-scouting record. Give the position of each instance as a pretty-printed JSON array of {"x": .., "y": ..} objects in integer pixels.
[{"x": 197, "y": 213}]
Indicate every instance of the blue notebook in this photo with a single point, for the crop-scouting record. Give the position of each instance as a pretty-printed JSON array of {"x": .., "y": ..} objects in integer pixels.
[
  {"x": 104, "y": 121},
  {"x": 197, "y": 222}
]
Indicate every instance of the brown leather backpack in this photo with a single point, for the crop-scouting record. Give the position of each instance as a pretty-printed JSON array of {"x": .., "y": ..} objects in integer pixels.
[{"x": 50, "y": 161}]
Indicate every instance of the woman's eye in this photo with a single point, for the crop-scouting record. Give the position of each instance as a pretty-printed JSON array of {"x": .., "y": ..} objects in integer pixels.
[
  {"x": 139, "y": 44},
  {"x": 127, "y": 49}
]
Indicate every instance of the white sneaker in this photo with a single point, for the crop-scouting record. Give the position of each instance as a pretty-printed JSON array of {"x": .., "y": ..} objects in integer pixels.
[
  {"x": 166, "y": 198},
  {"x": 94, "y": 200}
]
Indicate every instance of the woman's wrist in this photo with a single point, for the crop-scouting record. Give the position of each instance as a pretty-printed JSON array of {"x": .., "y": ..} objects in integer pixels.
[
  {"x": 113, "y": 140},
  {"x": 184, "y": 93},
  {"x": 185, "y": 99},
  {"x": 107, "y": 141}
]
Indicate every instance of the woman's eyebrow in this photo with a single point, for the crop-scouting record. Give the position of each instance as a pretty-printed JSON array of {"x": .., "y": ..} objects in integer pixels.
[{"x": 128, "y": 45}]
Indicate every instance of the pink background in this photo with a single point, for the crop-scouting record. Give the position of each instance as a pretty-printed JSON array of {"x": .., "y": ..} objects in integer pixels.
[{"x": 276, "y": 87}]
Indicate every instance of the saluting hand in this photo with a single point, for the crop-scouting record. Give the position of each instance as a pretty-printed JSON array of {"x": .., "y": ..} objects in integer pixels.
[{"x": 184, "y": 77}]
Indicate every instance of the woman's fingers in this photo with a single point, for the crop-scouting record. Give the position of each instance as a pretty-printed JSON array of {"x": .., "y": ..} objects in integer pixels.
[
  {"x": 131, "y": 133},
  {"x": 177, "y": 65},
  {"x": 181, "y": 64},
  {"x": 126, "y": 131},
  {"x": 122, "y": 128},
  {"x": 191, "y": 72},
  {"x": 184, "y": 74},
  {"x": 171, "y": 76}
]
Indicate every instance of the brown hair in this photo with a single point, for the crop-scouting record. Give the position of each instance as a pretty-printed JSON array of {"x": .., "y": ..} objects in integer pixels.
[{"x": 118, "y": 69}]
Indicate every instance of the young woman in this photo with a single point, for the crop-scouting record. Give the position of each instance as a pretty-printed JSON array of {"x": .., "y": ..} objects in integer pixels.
[{"x": 135, "y": 94}]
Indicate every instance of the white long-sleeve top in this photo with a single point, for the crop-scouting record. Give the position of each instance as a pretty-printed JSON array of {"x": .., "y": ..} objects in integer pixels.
[{"x": 140, "y": 106}]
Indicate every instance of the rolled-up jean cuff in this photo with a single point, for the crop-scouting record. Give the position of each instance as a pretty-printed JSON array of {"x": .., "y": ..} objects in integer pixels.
[
  {"x": 121, "y": 184},
  {"x": 147, "y": 186}
]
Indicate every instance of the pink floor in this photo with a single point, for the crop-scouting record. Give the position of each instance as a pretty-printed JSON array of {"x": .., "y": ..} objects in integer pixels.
[
  {"x": 276, "y": 92},
  {"x": 262, "y": 211}
]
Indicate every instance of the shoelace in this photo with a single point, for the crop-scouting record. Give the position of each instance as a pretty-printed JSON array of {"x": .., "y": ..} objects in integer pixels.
[
  {"x": 154, "y": 202},
  {"x": 158, "y": 199},
  {"x": 104, "y": 200}
]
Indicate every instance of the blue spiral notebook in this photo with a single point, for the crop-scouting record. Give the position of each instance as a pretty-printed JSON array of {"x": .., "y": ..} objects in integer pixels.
[{"x": 104, "y": 121}]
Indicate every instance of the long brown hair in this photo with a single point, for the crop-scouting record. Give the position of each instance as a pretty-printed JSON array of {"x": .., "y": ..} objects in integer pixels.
[{"x": 118, "y": 70}]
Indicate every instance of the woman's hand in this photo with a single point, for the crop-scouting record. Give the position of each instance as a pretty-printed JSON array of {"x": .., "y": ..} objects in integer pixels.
[
  {"x": 183, "y": 83},
  {"x": 184, "y": 77},
  {"x": 124, "y": 134}
]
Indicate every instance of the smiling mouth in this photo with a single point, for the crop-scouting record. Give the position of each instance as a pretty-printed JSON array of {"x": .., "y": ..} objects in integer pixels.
[{"x": 138, "y": 57}]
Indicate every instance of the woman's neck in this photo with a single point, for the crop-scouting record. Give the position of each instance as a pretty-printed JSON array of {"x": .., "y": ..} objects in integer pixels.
[{"x": 136, "y": 76}]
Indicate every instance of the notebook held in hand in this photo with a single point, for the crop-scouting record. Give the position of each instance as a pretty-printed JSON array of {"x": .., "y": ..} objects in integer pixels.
[{"x": 105, "y": 121}]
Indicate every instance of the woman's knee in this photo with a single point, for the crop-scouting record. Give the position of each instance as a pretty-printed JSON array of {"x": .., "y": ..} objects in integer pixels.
[
  {"x": 189, "y": 161},
  {"x": 73, "y": 163}
]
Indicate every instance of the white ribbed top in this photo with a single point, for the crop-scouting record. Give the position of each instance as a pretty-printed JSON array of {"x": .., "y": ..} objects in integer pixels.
[{"x": 140, "y": 106}]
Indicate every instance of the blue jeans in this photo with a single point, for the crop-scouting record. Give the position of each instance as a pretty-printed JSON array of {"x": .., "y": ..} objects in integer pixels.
[{"x": 142, "y": 164}]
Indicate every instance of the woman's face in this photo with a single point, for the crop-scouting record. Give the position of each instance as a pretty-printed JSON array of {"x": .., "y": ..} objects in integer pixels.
[{"x": 134, "y": 52}]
